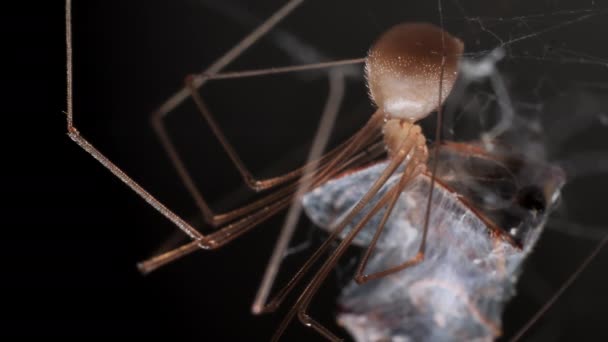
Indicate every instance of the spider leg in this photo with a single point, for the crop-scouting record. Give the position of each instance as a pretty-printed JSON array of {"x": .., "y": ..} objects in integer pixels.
[
  {"x": 268, "y": 206},
  {"x": 215, "y": 219},
  {"x": 301, "y": 304},
  {"x": 409, "y": 174}
]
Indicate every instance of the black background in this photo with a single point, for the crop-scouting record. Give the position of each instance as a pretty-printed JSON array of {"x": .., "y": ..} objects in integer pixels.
[{"x": 72, "y": 233}]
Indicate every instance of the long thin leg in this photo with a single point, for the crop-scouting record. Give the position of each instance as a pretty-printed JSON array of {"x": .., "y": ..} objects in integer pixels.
[
  {"x": 219, "y": 219},
  {"x": 320, "y": 275},
  {"x": 302, "y": 303},
  {"x": 74, "y": 134},
  {"x": 217, "y": 239},
  {"x": 211, "y": 217},
  {"x": 192, "y": 84},
  {"x": 162, "y": 259},
  {"x": 360, "y": 277},
  {"x": 328, "y": 118},
  {"x": 252, "y": 182},
  {"x": 438, "y": 131},
  {"x": 495, "y": 231},
  {"x": 388, "y": 171},
  {"x": 335, "y": 82},
  {"x": 233, "y": 230},
  {"x": 301, "y": 306},
  {"x": 192, "y": 246}
]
